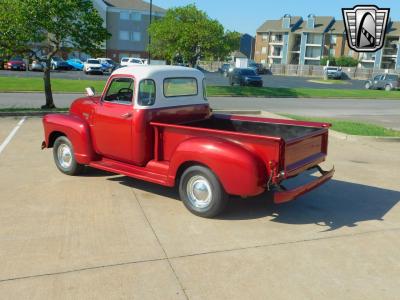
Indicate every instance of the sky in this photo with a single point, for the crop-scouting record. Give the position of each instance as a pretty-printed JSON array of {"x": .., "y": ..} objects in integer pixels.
[{"x": 247, "y": 16}]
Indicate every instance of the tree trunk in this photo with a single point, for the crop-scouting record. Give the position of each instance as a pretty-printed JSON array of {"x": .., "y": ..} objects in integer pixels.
[{"x": 47, "y": 88}]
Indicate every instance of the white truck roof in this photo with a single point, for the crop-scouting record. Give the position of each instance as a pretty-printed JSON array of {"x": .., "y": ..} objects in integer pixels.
[{"x": 158, "y": 73}]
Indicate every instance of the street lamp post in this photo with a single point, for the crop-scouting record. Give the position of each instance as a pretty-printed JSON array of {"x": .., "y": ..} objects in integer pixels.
[{"x": 151, "y": 17}]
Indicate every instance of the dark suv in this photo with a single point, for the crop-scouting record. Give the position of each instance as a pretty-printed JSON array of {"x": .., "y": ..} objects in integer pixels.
[
  {"x": 245, "y": 77},
  {"x": 387, "y": 82}
]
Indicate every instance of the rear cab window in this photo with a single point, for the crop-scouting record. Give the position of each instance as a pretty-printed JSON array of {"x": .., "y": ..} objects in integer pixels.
[
  {"x": 147, "y": 92},
  {"x": 182, "y": 86},
  {"x": 120, "y": 90}
]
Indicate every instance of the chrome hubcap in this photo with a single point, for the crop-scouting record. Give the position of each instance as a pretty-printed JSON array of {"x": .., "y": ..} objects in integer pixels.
[
  {"x": 199, "y": 191},
  {"x": 64, "y": 155}
]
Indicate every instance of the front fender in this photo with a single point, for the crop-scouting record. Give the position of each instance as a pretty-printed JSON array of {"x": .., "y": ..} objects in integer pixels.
[
  {"x": 240, "y": 171},
  {"x": 77, "y": 131}
]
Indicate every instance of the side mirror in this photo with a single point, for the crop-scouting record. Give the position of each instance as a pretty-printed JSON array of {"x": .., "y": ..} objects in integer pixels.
[{"x": 90, "y": 91}]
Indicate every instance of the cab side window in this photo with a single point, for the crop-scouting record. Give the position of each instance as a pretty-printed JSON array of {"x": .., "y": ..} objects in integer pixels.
[
  {"x": 147, "y": 92},
  {"x": 120, "y": 91}
]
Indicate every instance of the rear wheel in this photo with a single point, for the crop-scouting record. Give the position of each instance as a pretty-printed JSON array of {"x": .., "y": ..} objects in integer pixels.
[
  {"x": 64, "y": 157},
  {"x": 388, "y": 88},
  {"x": 201, "y": 192}
]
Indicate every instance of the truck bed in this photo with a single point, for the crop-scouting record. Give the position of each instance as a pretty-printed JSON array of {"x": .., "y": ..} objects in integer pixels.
[
  {"x": 295, "y": 145},
  {"x": 285, "y": 131}
]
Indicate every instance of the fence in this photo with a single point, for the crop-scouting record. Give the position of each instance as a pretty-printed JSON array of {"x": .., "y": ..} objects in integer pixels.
[{"x": 307, "y": 70}]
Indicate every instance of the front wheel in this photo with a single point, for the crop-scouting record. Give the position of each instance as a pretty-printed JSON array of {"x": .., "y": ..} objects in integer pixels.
[
  {"x": 64, "y": 157},
  {"x": 367, "y": 85},
  {"x": 201, "y": 192}
]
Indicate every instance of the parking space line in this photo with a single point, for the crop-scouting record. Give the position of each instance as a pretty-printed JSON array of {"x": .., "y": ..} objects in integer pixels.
[{"x": 11, "y": 135}]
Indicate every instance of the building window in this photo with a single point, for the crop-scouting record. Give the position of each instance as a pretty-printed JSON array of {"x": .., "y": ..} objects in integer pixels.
[
  {"x": 265, "y": 36},
  {"x": 332, "y": 52},
  {"x": 333, "y": 39},
  {"x": 313, "y": 52},
  {"x": 263, "y": 61},
  {"x": 136, "y": 36},
  {"x": 124, "y": 15},
  {"x": 351, "y": 52},
  {"x": 263, "y": 50},
  {"x": 314, "y": 38},
  {"x": 277, "y": 38},
  {"x": 276, "y": 51},
  {"x": 124, "y": 35},
  {"x": 136, "y": 16}
]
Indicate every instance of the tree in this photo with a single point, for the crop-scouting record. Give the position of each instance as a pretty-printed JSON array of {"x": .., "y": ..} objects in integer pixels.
[
  {"x": 47, "y": 26},
  {"x": 324, "y": 60},
  {"x": 189, "y": 33},
  {"x": 347, "y": 61}
]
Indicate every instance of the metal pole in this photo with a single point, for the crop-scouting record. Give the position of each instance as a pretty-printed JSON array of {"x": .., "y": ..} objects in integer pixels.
[{"x": 151, "y": 17}]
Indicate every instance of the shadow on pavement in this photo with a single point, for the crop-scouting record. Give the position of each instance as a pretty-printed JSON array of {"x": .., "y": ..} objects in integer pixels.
[{"x": 334, "y": 205}]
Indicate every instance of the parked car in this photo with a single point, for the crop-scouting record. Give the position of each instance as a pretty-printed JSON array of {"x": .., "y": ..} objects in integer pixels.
[
  {"x": 93, "y": 66},
  {"x": 245, "y": 77},
  {"x": 108, "y": 64},
  {"x": 154, "y": 123},
  {"x": 76, "y": 64},
  {"x": 132, "y": 61},
  {"x": 57, "y": 63},
  {"x": 16, "y": 64},
  {"x": 224, "y": 69},
  {"x": 387, "y": 82},
  {"x": 333, "y": 72},
  {"x": 261, "y": 69},
  {"x": 37, "y": 65}
]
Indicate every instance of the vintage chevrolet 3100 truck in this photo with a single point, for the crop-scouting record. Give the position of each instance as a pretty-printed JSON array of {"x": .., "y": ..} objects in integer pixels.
[{"x": 154, "y": 123}]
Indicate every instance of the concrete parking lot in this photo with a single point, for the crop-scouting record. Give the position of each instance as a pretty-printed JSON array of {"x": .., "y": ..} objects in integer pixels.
[{"x": 105, "y": 236}]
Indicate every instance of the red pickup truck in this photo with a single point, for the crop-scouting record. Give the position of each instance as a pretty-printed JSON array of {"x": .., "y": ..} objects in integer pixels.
[{"x": 154, "y": 123}]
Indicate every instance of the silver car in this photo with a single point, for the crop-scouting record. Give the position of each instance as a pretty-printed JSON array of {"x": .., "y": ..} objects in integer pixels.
[
  {"x": 37, "y": 65},
  {"x": 385, "y": 82}
]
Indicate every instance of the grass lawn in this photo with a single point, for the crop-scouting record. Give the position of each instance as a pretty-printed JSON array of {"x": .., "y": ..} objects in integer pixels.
[
  {"x": 300, "y": 93},
  {"x": 15, "y": 84},
  {"x": 351, "y": 127}
]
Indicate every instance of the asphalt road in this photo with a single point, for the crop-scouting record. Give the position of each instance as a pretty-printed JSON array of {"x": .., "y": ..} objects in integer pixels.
[
  {"x": 383, "y": 112},
  {"x": 212, "y": 79}
]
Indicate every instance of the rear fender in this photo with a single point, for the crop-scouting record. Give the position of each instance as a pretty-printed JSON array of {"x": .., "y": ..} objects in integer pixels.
[
  {"x": 240, "y": 171},
  {"x": 75, "y": 129}
]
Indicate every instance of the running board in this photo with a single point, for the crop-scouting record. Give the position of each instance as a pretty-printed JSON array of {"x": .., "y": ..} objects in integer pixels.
[{"x": 155, "y": 172}]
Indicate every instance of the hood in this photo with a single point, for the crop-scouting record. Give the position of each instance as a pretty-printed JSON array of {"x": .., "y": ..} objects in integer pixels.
[{"x": 16, "y": 62}]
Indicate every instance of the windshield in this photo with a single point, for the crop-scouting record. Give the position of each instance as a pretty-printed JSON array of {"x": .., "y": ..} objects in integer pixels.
[
  {"x": 248, "y": 72},
  {"x": 332, "y": 69},
  {"x": 55, "y": 58},
  {"x": 93, "y": 61}
]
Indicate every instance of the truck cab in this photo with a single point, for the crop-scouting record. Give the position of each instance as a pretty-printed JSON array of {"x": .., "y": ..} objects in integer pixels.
[{"x": 154, "y": 123}]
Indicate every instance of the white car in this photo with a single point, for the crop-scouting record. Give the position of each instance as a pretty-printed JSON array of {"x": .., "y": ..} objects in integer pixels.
[
  {"x": 132, "y": 61},
  {"x": 93, "y": 66}
]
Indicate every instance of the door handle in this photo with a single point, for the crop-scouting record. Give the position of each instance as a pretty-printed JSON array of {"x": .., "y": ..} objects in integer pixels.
[{"x": 126, "y": 115}]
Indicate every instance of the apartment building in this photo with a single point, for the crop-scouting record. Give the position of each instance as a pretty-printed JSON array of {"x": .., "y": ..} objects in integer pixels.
[
  {"x": 298, "y": 41},
  {"x": 272, "y": 40},
  {"x": 127, "y": 21}
]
